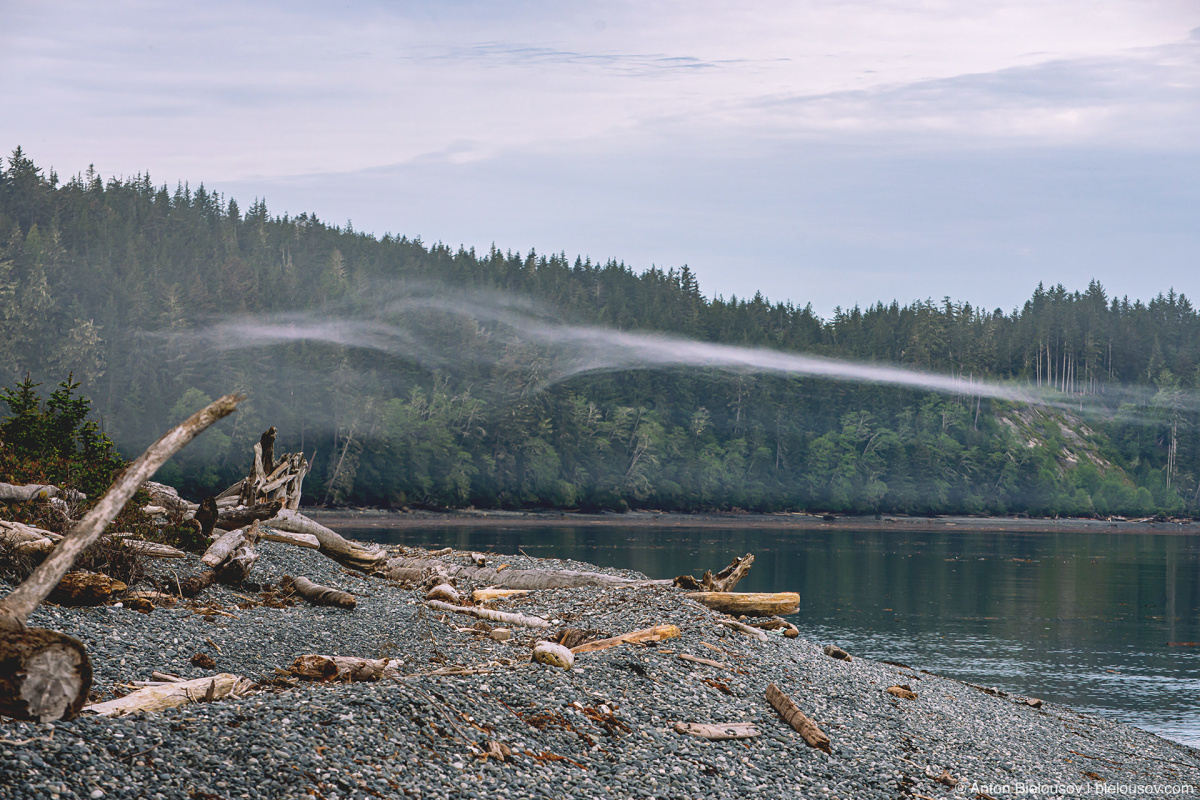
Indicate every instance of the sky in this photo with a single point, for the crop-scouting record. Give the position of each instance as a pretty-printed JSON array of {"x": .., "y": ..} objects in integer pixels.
[{"x": 838, "y": 153}]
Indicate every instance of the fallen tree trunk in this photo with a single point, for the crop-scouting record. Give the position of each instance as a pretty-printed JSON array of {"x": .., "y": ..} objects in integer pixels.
[
  {"x": 342, "y": 668},
  {"x": 793, "y": 716},
  {"x": 166, "y": 695},
  {"x": 46, "y": 675},
  {"x": 219, "y": 551},
  {"x": 752, "y": 604},
  {"x": 655, "y": 634},
  {"x": 167, "y": 497},
  {"x": 331, "y": 544},
  {"x": 413, "y": 569},
  {"x": 317, "y": 594},
  {"x": 296, "y": 539},
  {"x": 488, "y": 613}
]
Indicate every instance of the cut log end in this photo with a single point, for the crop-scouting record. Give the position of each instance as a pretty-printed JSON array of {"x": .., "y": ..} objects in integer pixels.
[{"x": 44, "y": 675}]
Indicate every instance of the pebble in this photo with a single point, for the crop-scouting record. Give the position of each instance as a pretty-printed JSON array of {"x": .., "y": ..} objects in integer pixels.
[{"x": 602, "y": 728}]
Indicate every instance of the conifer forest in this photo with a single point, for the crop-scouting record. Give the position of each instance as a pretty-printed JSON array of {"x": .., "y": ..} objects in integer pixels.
[{"x": 157, "y": 299}]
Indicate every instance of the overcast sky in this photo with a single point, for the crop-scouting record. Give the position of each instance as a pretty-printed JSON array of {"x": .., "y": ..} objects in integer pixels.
[{"x": 832, "y": 152}]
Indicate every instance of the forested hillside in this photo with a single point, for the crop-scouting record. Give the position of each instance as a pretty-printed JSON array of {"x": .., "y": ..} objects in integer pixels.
[{"x": 110, "y": 280}]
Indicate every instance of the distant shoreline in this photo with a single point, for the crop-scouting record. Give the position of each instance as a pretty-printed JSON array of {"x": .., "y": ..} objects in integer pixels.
[{"x": 383, "y": 518}]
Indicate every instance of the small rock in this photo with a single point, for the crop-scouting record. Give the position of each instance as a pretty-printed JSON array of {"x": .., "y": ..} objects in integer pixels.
[
  {"x": 833, "y": 651},
  {"x": 501, "y": 634}
]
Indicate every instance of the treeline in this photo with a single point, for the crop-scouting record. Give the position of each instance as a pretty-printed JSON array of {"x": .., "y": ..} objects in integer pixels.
[{"x": 108, "y": 280}]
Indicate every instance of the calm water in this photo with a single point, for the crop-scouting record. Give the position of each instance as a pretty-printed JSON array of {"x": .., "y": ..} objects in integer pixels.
[{"x": 1077, "y": 618}]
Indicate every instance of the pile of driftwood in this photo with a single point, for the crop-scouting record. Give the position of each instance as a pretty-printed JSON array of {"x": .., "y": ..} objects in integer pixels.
[{"x": 46, "y": 675}]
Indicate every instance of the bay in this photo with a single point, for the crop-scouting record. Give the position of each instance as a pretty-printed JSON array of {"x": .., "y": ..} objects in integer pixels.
[{"x": 1097, "y": 621}]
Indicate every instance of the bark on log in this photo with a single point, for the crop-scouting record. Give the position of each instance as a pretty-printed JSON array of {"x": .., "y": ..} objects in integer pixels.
[
  {"x": 344, "y": 552},
  {"x": 173, "y": 695},
  {"x": 488, "y": 613},
  {"x": 718, "y": 733},
  {"x": 413, "y": 569},
  {"x": 206, "y": 515},
  {"x": 197, "y": 583},
  {"x": 67, "y": 673},
  {"x": 796, "y": 718},
  {"x": 44, "y": 675},
  {"x": 753, "y": 604},
  {"x": 230, "y": 518},
  {"x": 85, "y": 589},
  {"x": 656, "y": 634},
  {"x": 342, "y": 668},
  {"x": 741, "y": 627},
  {"x": 317, "y": 594},
  {"x": 267, "y": 441},
  {"x": 237, "y": 568}
]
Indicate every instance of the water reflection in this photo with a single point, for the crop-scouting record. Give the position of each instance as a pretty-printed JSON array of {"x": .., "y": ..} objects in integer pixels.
[{"x": 1076, "y": 618}]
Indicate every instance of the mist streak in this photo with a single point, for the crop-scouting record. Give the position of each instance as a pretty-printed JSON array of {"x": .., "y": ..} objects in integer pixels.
[{"x": 409, "y": 328}]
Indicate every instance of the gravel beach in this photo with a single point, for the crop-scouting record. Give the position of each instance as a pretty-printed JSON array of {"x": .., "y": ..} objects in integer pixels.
[{"x": 600, "y": 729}]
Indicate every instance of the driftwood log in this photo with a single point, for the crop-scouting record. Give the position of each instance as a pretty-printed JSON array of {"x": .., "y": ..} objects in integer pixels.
[
  {"x": 741, "y": 627},
  {"x": 342, "y": 668},
  {"x": 317, "y": 594},
  {"x": 34, "y": 491},
  {"x": 491, "y": 594},
  {"x": 718, "y": 733},
  {"x": 488, "y": 613},
  {"x": 230, "y": 518},
  {"x": 344, "y": 552},
  {"x": 656, "y": 634},
  {"x": 413, "y": 569},
  {"x": 793, "y": 716},
  {"x": 85, "y": 589},
  {"x": 172, "y": 694},
  {"x": 752, "y": 604},
  {"x": 45, "y": 675}
]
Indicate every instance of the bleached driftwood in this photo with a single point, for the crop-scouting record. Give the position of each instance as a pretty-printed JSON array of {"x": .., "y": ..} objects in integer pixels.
[
  {"x": 168, "y": 498},
  {"x": 317, "y": 594},
  {"x": 445, "y": 592},
  {"x": 47, "y": 674},
  {"x": 718, "y": 733},
  {"x": 488, "y": 613},
  {"x": 753, "y": 633},
  {"x": 333, "y": 545},
  {"x": 793, "y": 716},
  {"x": 342, "y": 668},
  {"x": 296, "y": 539},
  {"x": 708, "y": 662},
  {"x": 220, "y": 551},
  {"x": 413, "y": 569},
  {"x": 491, "y": 593},
  {"x": 753, "y": 604},
  {"x": 147, "y": 549},
  {"x": 33, "y": 491},
  {"x": 656, "y": 634},
  {"x": 555, "y": 655},
  {"x": 166, "y": 695}
]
